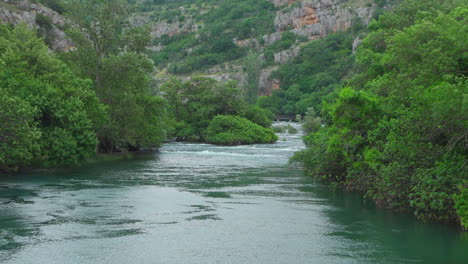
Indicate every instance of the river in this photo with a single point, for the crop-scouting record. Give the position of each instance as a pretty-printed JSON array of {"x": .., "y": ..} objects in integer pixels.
[{"x": 198, "y": 203}]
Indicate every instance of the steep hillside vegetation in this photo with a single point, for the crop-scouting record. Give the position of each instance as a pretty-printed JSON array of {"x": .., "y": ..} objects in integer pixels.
[{"x": 213, "y": 38}]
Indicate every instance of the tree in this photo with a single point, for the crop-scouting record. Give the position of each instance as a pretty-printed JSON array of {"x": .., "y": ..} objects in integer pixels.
[
  {"x": 236, "y": 130},
  {"x": 49, "y": 116},
  {"x": 252, "y": 66},
  {"x": 136, "y": 118},
  {"x": 311, "y": 122},
  {"x": 399, "y": 133},
  {"x": 101, "y": 24},
  {"x": 196, "y": 102},
  {"x": 113, "y": 52},
  {"x": 18, "y": 135}
]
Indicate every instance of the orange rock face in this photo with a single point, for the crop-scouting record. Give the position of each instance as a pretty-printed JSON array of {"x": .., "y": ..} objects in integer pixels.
[
  {"x": 276, "y": 85},
  {"x": 309, "y": 18}
]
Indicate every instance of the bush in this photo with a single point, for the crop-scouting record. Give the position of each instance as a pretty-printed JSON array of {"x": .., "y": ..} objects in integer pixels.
[
  {"x": 48, "y": 116},
  {"x": 398, "y": 135},
  {"x": 195, "y": 103},
  {"x": 461, "y": 204},
  {"x": 43, "y": 21},
  {"x": 235, "y": 130},
  {"x": 258, "y": 115},
  {"x": 54, "y": 5}
]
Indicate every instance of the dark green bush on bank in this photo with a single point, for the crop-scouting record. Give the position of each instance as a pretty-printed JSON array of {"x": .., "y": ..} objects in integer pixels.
[
  {"x": 48, "y": 116},
  {"x": 235, "y": 130}
]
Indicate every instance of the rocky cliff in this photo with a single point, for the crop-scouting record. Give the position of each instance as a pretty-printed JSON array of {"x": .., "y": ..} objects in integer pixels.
[
  {"x": 313, "y": 19},
  {"x": 21, "y": 11}
]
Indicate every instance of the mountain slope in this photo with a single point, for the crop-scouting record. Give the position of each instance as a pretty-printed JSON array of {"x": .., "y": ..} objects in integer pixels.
[{"x": 212, "y": 38}]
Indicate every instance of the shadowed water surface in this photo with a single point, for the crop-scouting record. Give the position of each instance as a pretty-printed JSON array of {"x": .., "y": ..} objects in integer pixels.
[{"x": 198, "y": 203}]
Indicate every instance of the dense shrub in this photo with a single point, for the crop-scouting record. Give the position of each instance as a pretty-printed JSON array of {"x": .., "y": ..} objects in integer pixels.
[
  {"x": 307, "y": 82},
  {"x": 48, "y": 115},
  {"x": 398, "y": 135},
  {"x": 234, "y": 130},
  {"x": 258, "y": 115}
]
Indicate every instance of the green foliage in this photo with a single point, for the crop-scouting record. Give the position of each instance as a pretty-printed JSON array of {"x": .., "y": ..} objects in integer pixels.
[
  {"x": 272, "y": 103},
  {"x": 311, "y": 122},
  {"x": 43, "y": 21},
  {"x": 234, "y": 130},
  {"x": 55, "y": 5},
  {"x": 461, "y": 204},
  {"x": 399, "y": 133},
  {"x": 306, "y": 82},
  {"x": 196, "y": 102},
  {"x": 252, "y": 66},
  {"x": 18, "y": 133},
  {"x": 258, "y": 115},
  {"x": 114, "y": 55},
  {"x": 49, "y": 116},
  {"x": 431, "y": 195},
  {"x": 287, "y": 40},
  {"x": 45, "y": 29},
  {"x": 135, "y": 118},
  {"x": 224, "y": 21}
]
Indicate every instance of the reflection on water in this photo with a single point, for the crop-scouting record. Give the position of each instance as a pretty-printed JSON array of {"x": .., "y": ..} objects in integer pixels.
[{"x": 198, "y": 203}]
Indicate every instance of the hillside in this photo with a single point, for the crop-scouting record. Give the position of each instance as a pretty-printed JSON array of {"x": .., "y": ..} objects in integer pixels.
[
  {"x": 212, "y": 38},
  {"x": 41, "y": 15}
]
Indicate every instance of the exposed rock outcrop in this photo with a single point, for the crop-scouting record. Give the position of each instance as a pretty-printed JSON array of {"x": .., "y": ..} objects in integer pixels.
[
  {"x": 313, "y": 19},
  {"x": 21, "y": 11},
  {"x": 320, "y": 17},
  {"x": 267, "y": 84},
  {"x": 163, "y": 28},
  {"x": 270, "y": 39},
  {"x": 297, "y": 18},
  {"x": 286, "y": 55},
  {"x": 357, "y": 41}
]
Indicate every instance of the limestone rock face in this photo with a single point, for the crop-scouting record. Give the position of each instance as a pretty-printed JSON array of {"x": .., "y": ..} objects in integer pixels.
[
  {"x": 163, "y": 28},
  {"x": 286, "y": 55},
  {"x": 266, "y": 84},
  {"x": 357, "y": 41},
  {"x": 317, "y": 18},
  {"x": 21, "y": 11},
  {"x": 269, "y": 39},
  {"x": 297, "y": 18}
]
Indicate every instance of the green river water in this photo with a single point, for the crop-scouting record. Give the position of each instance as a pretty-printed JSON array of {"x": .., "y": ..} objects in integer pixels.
[{"x": 198, "y": 203}]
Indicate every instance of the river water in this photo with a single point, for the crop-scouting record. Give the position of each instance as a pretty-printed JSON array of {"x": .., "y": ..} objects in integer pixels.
[{"x": 198, "y": 203}]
